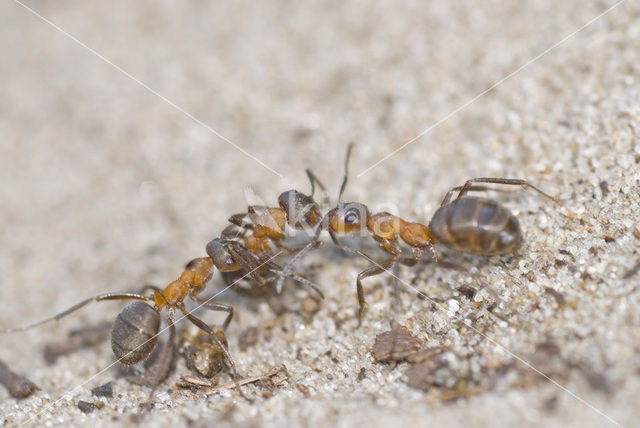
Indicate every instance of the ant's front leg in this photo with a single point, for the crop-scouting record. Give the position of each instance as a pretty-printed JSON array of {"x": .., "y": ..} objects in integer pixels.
[{"x": 371, "y": 271}]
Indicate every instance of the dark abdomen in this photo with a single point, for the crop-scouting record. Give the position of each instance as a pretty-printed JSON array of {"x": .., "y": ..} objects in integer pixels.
[{"x": 476, "y": 225}]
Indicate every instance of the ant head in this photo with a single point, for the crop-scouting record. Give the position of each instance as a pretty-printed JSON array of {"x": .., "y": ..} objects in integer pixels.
[
  {"x": 302, "y": 211},
  {"x": 135, "y": 333},
  {"x": 221, "y": 258},
  {"x": 348, "y": 217}
]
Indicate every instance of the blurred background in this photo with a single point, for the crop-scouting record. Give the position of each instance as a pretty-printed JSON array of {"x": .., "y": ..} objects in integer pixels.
[{"x": 129, "y": 132}]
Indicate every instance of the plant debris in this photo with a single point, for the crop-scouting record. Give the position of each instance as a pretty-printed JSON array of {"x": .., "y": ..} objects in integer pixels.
[
  {"x": 395, "y": 345},
  {"x": 18, "y": 386},
  {"x": 277, "y": 376}
]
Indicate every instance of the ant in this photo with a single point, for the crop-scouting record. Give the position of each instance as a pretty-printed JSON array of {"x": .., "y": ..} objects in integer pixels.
[
  {"x": 268, "y": 224},
  {"x": 256, "y": 235},
  {"x": 134, "y": 334},
  {"x": 466, "y": 224}
]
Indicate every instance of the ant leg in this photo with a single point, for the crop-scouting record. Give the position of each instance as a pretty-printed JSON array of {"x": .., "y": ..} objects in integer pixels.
[
  {"x": 252, "y": 264},
  {"x": 286, "y": 270},
  {"x": 303, "y": 281},
  {"x": 98, "y": 298},
  {"x": 205, "y": 327},
  {"x": 473, "y": 272},
  {"x": 418, "y": 253},
  {"x": 371, "y": 271},
  {"x": 447, "y": 197},
  {"x": 315, "y": 242},
  {"x": 507, "y": 181},
  {"x": 214, "y": 306}
]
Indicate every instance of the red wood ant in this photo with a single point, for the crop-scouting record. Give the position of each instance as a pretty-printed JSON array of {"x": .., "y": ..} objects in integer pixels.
[
  {"x": 262, "y": 231},
  {"x": 134, "y": 334},
  {"x": 466, "y": 224},
  {"x": 268, "y": 224}
]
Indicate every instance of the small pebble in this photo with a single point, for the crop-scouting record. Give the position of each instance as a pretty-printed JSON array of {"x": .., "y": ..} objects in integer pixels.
[
  {"x": 105, "y": 390},
  {"x": 86, "y": 407}
]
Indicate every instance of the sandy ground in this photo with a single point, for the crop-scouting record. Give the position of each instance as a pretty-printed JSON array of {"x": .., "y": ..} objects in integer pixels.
[{"x": 112, "y": 180}]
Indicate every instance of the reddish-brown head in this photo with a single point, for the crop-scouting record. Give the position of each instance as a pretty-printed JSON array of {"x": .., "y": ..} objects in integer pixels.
[{"x": 350, "y": 217}]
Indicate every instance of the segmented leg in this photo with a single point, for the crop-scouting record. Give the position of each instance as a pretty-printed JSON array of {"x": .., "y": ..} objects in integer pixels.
[
  {"x": 468, "y": 186},
  {"x": 205, "y": 327},
  {"x": 215, "y": 306},
  {"x": 370, "y": 271}
]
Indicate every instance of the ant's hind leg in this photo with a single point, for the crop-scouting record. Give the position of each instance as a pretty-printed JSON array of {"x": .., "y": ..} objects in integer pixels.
[
  {"x": 98, "y": 298},
  {"x": 214, "y": 306},
  {"x": 507, "y": 181},
  {"x": 447, "y": 197}
]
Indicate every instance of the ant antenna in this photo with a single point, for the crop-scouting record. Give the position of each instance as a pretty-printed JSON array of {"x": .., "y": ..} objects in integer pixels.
[
  {"x": 313, "y": 179},
  {"x": 98, "y": 298},
  {"x": 315, "y": 241},
  {"x": 346, "y": 172}
]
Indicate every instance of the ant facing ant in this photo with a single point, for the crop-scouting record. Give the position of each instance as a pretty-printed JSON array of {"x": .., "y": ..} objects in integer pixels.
[
  {"x": 134, "y": 334},
  {"x": 467, "y": 224},
  {"x": 268, "y": 224}
]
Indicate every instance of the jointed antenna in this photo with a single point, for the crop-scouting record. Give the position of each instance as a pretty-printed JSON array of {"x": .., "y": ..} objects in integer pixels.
[{"x": 346, "y": 172}]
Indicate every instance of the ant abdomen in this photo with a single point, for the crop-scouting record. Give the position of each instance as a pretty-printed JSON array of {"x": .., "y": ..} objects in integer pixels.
[
  {"x": 135, "y": 333},
  {"x": 476, "y": 225}
]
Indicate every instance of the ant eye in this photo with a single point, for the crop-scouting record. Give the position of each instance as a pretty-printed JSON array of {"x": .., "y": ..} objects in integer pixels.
[
  {"x": 229, "y": 261},
  {"x": 351, "y": 217}
]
